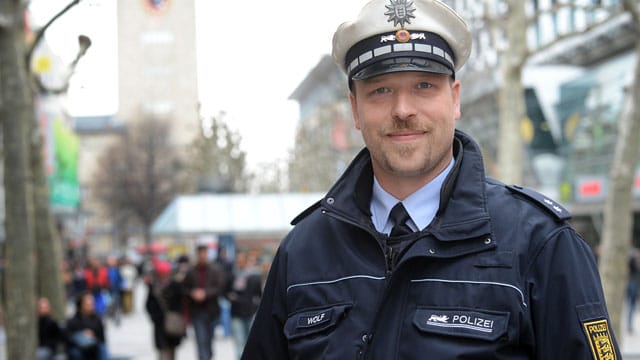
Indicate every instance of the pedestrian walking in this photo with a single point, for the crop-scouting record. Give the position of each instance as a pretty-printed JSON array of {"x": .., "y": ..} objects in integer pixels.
[
  {"x": 114, "y": 289},
  {"x": 129, "y": 275},
  {"x": 87, "y": 338},
  {"x": 244, "y": 295},
  {"x": 414, "y": 252},
  {"x": 51, "y": 335},
  {"x": 203, "y": 285},
  {"x": 163, "y": 300},
  {"x": 96, "y": 278}
]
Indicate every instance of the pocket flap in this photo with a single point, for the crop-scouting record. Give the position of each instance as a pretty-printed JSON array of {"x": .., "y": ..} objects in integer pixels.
[
  {"x": 312, "y": 321},
  {"x": 479, "y": 324}
]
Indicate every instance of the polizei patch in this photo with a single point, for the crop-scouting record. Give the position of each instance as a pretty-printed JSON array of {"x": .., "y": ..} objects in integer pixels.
[
  {"x": 489, "y": 325},
  {"x": 600, "y": 339}
]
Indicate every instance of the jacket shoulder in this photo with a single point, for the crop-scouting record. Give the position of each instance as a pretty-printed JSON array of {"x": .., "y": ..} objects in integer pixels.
[
  {"x": 540, "y": 200},
  {"x": 306, "y": 212}
]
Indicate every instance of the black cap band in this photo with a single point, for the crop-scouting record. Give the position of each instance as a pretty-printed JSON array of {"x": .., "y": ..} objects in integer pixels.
[{"x": 422, "y": 51}]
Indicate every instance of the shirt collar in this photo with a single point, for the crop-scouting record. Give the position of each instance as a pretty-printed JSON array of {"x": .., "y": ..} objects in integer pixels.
[{"x": 422, "y": 205}]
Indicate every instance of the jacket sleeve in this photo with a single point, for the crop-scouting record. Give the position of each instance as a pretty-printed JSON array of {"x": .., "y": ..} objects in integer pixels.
[
  {"x": 216, "y": 282},
  {"x": 266, "y": 339},
  {"x": 569, "y": 314}
]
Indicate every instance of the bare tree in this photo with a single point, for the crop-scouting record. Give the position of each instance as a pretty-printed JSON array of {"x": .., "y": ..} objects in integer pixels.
[
  {"x": 48, "y": 241},
  {"x": 216, "y": 161},
  {"x": 270, "y": 177},
  {"x": 618, "y": 212},
  {"x": 16, "y": 113},
  {"x": 26, "y": 188},
  {"x": 325, "y": 144},
  {"x": 511, "y": 94},
  {"x": 140, "y": 173}
]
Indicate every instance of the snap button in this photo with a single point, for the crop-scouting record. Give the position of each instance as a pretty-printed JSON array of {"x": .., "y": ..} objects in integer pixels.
[
  {"x": 330, "y": 201},
  {"x": 487, "y": 241}
]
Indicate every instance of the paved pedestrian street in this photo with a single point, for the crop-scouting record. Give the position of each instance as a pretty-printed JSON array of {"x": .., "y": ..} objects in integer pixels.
[{"x": 132, "y": 339}]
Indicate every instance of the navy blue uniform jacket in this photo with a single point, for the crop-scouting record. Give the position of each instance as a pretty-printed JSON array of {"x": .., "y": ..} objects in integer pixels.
[{"x": 498, "y": 274}]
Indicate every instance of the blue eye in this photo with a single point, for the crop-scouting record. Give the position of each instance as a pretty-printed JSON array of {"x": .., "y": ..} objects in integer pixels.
[
  {"x": 381, "y": 90},
  {"x": 425, "y": 85}
]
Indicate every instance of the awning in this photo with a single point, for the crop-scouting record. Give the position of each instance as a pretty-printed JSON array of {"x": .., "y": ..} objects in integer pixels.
[{"x": 239, "y": 214}]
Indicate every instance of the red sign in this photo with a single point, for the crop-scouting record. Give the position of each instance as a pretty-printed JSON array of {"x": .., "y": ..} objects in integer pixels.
[{"x": 590, "y": 188}]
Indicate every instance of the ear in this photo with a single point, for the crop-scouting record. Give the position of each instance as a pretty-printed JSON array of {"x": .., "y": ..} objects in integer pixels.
[
  {"x": 354, "y": 110},
  {"x": 455, "y": 93}
]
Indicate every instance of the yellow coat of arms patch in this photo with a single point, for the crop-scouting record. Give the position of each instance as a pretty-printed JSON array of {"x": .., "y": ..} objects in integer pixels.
[{"x": 600, "y": 339}]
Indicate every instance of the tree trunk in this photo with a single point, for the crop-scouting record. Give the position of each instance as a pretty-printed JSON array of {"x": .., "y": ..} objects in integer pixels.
[
  {"x": 16, "y": 113},
  {"x": 47, "y": 239},
  {"x": 618, "y": 213},
  {"x": 511, "y": 95}
]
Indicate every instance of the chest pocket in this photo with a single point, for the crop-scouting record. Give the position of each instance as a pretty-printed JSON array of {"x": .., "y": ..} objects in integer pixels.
[
  {"x": 467, "y": 323},
  {"x": 314, "y": 322}
]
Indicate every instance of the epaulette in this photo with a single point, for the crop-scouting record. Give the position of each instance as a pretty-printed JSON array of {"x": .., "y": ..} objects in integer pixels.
[
  {"x": 553, "y": 207},
  {"x": 306, "y": 212}
]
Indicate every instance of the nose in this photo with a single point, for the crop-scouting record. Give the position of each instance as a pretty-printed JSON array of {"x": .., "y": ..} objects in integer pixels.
[{"x": 403, "y": 107}]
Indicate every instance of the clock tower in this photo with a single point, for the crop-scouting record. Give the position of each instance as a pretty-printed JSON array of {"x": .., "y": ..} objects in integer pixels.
[{"x": 157, "y": 64}]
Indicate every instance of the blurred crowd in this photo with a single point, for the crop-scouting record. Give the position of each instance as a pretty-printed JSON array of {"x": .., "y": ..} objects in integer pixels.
[{"x": 202, "y": 292}]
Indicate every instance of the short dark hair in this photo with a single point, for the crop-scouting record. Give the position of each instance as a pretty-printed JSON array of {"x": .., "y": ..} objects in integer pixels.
[{"x": 201, "y": 248}]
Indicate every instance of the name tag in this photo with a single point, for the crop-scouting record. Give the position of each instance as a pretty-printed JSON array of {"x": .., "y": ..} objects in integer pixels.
[{"x": 315, "y": 319}]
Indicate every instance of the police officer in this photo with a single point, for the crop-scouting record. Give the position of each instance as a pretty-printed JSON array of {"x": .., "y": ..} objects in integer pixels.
[{"x": 414, "y": 253}]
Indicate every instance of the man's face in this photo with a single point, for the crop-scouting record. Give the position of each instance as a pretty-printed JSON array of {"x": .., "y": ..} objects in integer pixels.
[
  {"x": 203, "y": 256},
  {"x": 407, "y": 121}
]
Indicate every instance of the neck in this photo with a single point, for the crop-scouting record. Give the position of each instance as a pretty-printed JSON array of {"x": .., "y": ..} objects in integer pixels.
[{"x": 402, "y": 187}]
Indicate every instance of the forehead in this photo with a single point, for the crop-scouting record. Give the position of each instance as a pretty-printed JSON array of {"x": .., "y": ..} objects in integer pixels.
[{"x": 403, "y": 77}]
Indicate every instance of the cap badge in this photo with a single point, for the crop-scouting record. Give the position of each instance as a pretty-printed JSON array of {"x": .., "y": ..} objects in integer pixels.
[{"x": 400, "y": 12}]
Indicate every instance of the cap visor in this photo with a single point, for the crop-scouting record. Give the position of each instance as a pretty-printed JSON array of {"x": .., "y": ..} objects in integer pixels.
[{"x": 393, "y": 65}]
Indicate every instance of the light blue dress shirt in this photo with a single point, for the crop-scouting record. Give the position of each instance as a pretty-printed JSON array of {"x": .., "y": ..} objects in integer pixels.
[{"x": 422, "y": 205}]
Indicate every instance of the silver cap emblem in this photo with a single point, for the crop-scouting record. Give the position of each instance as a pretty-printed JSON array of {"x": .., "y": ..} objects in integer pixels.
[{"x": 400, "y": 12}]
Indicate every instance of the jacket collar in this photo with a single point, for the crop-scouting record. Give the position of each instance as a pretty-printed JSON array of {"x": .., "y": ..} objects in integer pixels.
[{"x": 462, "y": 214}]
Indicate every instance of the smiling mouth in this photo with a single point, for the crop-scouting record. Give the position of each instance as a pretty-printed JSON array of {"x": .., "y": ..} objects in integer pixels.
[{"x": 406, "y": 135}]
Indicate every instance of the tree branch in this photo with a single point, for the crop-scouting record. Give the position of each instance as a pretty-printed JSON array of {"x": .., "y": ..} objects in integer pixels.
[
  {"x": 611, "y": 9},
  {"x": 631, "y": 6},
  {"x": 568, "y": 35}
]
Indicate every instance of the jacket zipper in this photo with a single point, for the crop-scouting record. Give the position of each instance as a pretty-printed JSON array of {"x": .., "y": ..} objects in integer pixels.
[{"x": 389, "y": 256}]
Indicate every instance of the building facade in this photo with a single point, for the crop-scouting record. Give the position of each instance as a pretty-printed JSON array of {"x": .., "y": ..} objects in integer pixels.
[{"x": 157, "y": 80}]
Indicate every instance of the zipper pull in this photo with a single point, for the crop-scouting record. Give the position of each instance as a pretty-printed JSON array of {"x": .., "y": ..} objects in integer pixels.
[{"x": 390, "y": 259}]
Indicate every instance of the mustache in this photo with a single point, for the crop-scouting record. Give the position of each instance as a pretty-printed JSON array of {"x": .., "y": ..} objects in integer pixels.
[{"x": 405, "y": 124}]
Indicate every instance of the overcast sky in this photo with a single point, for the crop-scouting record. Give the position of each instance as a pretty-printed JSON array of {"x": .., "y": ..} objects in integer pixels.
[{"x": 250, "y": 84}]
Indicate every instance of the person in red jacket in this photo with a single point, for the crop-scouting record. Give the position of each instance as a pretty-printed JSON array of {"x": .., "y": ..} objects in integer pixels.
[{"x": 96, "y": 277}]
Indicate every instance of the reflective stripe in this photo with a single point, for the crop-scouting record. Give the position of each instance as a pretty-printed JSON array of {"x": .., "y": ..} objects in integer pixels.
[
  {"x": 336, "y": 280},
  {"x": 476, "y": 283}
]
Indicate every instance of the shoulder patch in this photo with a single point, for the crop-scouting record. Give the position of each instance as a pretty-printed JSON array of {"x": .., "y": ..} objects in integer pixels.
[
  {"x": 552, "y": 206},
  {"x": 306, "y": 212},
  {"x": 599, "y": 336}
]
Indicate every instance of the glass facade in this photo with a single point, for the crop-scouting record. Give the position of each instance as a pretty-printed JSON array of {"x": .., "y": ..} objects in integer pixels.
[{"x": 589, "y": 109}]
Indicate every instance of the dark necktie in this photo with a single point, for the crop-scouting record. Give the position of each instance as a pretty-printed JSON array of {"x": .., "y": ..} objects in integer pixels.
[{"x": 399, "y": 218}]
